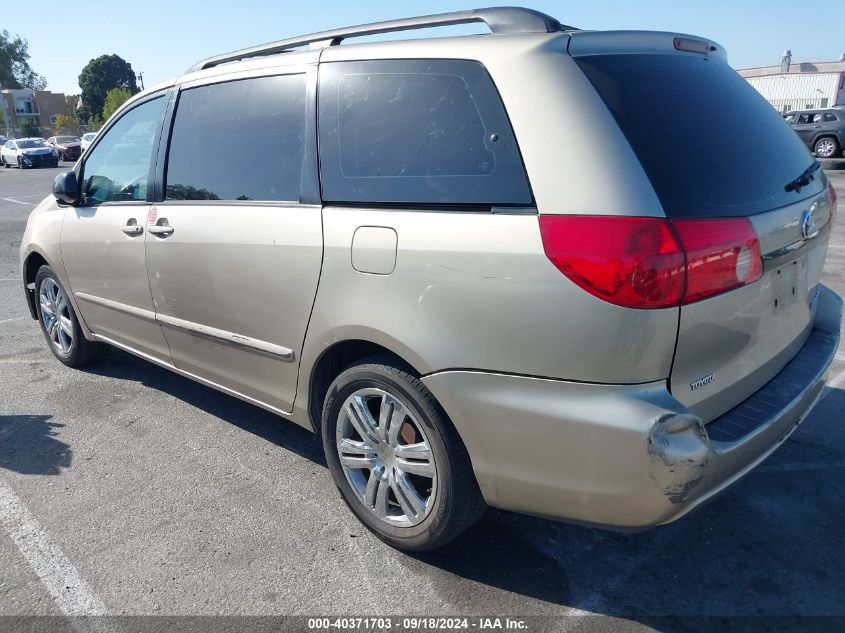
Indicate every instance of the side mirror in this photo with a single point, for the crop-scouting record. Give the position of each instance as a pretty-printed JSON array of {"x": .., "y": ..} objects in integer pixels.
[{"x": 66, "y": 187}]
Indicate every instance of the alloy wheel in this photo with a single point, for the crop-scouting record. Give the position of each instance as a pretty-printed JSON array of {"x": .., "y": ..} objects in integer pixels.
[
  {"x": 56, "y": 316},
  {"x": 386, "y": 457},
  {"x": 825, "y": 148}
]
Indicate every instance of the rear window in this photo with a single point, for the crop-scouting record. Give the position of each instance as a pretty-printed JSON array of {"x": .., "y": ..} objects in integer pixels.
[{"x": 709, "y": 143}]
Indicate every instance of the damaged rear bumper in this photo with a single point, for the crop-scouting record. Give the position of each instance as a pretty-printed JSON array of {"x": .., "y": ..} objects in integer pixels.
[{"x": 623, "y": 456}]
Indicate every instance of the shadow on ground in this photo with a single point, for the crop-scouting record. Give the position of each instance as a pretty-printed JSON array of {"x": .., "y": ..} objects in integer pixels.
[
  {"x": 771, "y": 546},
  {"x": 28, "y": 445},
  {"x": 255, "y": 420}
]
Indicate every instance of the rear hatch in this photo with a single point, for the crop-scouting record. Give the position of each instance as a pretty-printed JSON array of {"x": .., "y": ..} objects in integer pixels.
[{"x": 717, "y": 153}]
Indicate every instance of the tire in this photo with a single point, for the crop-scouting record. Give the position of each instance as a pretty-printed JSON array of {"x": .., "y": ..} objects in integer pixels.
[
  {"x": 64, "y": 337},
  {"x": 452, "y": 500},
  {"x": 5, "y": 164},
  {"x": 20, "y": 163},
  {"x": 826, "y": 147}
]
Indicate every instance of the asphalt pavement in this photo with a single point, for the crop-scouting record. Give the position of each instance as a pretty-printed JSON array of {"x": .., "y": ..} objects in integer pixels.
[{"x": 125, "y": 489}]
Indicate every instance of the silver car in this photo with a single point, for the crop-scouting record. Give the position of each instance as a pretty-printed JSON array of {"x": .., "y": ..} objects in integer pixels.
[{"x": 533, "y": 270}]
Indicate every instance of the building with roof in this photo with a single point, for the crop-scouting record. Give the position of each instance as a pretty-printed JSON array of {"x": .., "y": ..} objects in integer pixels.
[{"x": 799, "y": 86}]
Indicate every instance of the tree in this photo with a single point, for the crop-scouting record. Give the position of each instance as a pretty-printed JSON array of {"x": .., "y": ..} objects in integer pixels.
[
  {"x": 63, "y": 122},
  {"x": 14, "y": 64},
  {"x": 101, "y": 75},
  {"x": 94, "y": 123},
  {"x": 115, "y": 98}
]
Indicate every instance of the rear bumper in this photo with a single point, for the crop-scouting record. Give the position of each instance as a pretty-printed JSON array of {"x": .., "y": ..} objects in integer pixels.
[{"x": 624, "y": 456}]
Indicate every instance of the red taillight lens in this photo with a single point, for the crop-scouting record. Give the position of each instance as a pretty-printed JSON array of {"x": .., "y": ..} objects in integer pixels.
[
  {"x": 721, "y": 254},
  {"x": 653, "y": 262},
  {"x": 632, "y": 262},
  {"x": 832, "y": 192}
]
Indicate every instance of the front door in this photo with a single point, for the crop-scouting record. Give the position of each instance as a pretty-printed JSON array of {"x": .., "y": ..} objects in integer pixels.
[
  {"x": 233, "y": 256},
  {"x": 103, "y": 237}
]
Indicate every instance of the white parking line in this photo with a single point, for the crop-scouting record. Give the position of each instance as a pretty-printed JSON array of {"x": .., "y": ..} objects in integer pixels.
[
  {"x": 27, "y": 204},
  {"x": 837, "y": 380},
  {"x": 71, "y": 593},
  {"x": 13, "y": 319}
]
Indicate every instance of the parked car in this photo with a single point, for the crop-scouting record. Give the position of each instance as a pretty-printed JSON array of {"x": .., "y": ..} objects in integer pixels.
[
  {"x": 28, "y": 152},
  {"x": 504, "y": 282},
  {"x": 823, "y": 131},
  {"x": 69, "y": 147},
  {"x": 87, "y": 139},
  {"x": 3, "y": 140}
]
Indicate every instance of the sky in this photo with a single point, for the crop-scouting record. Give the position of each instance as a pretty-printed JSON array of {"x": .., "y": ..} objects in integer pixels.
[{"x": 162, "y": 38}]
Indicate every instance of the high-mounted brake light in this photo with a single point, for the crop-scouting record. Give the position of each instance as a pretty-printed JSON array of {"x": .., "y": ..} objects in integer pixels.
[
  {"x": 833, "y": 201},
  {"x": 691, "y": 46},
  {"x": 652, "y": 262}
]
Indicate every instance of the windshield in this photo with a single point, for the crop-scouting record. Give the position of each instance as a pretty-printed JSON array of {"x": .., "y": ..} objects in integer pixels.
[
  {"x": 709, "y": 143},
  {"x": 88, "y": 137},
  {"x": 30, "y": 144},
  {"x": 67, "y": 139}
]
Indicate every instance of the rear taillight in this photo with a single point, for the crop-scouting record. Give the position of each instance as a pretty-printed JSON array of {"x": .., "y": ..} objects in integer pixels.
[
  {"x": 652, "y": 262},
  {"x": 721, "y": 254},
  {"x": 832, "y": 193},
  {"x": 632, "y": 262}
]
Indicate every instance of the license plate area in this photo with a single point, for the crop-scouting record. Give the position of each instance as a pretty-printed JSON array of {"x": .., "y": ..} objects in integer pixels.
[{"x": 789, "y": 285}]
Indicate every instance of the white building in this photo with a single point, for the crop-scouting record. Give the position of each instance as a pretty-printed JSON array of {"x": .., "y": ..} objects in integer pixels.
[{"x": 799, "y": 86}]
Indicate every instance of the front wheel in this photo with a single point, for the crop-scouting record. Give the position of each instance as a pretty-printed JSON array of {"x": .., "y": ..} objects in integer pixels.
[
  {"x": 4, "y": 163},
  {"x": 826, "y": 147},
  {"x": 395, "y": 457},
  {"x": 59, "y": 323},
  {"x": 20, "y": 163}
]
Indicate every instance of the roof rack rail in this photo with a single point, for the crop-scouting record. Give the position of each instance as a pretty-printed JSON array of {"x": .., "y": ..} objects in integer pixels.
[{"x": 497, "y": 19}]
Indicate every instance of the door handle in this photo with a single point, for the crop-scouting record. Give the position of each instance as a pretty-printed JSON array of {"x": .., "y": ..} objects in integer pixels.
[
  {"x": 132, "y": 228},
  {"x": 161, "y": 229}
]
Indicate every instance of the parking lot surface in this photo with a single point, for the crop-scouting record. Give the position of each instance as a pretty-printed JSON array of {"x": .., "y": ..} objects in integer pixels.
[{"x": 125, "y": 489}]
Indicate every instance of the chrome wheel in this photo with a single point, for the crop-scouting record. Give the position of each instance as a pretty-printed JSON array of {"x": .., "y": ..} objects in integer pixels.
[
  {"x": 386, "y": 457},
  {"x": 56, "y": 316},
  {"x": 825, "y": 148}
]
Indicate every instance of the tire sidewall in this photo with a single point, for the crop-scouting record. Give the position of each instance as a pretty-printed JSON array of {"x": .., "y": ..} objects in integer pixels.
[{"x": 372, "y": 376}]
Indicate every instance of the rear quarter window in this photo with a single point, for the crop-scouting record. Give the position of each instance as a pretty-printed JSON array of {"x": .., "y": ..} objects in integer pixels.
[
  {"x": 709, "y": 143},
  {"x": 416, "y": 132}
]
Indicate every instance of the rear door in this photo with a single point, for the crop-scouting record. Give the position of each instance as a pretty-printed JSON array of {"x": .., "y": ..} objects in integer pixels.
[
  {"x": 808, "y": 125},
  {"x": 713, "y": 148},
  {"x": 234, "y": 247}
]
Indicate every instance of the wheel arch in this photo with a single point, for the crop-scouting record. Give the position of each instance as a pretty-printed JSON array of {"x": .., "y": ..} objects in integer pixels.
[
  {"x": 335, "y": 359},
  {"x": 34, "y": 260}
]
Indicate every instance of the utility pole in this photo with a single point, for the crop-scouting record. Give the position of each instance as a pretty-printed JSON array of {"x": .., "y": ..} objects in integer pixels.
[{"x": 140, "y": 78}]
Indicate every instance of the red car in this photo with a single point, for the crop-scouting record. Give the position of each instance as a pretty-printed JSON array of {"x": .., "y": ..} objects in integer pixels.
[{"x": 69, "y": 147}]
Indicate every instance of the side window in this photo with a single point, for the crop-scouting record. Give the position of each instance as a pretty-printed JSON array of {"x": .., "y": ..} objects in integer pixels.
[
  {"x": 789, "y": 118},
  {"x": 239, "y": 140},
  {"x": 416, "y": 132},
  {"x": 117, "y": 170},
  {"x": 830, "y": 118}
]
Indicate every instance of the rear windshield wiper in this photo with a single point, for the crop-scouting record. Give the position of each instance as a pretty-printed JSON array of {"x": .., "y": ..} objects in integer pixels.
[{"x": 804, "y": 179}]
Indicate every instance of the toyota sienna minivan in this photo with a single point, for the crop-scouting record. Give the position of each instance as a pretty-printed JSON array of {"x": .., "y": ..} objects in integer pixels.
[{"x": 534, "y": 269}]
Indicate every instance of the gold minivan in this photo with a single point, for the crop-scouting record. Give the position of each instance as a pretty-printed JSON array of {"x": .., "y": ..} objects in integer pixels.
[{"x": 534, "y": 269}]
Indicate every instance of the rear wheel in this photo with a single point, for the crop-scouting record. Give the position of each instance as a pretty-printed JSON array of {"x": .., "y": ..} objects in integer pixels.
[
  {"x": 395, "y": 457},
  {"x": 826, "y": 147},
  {"x": 59, "y": 323}
]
